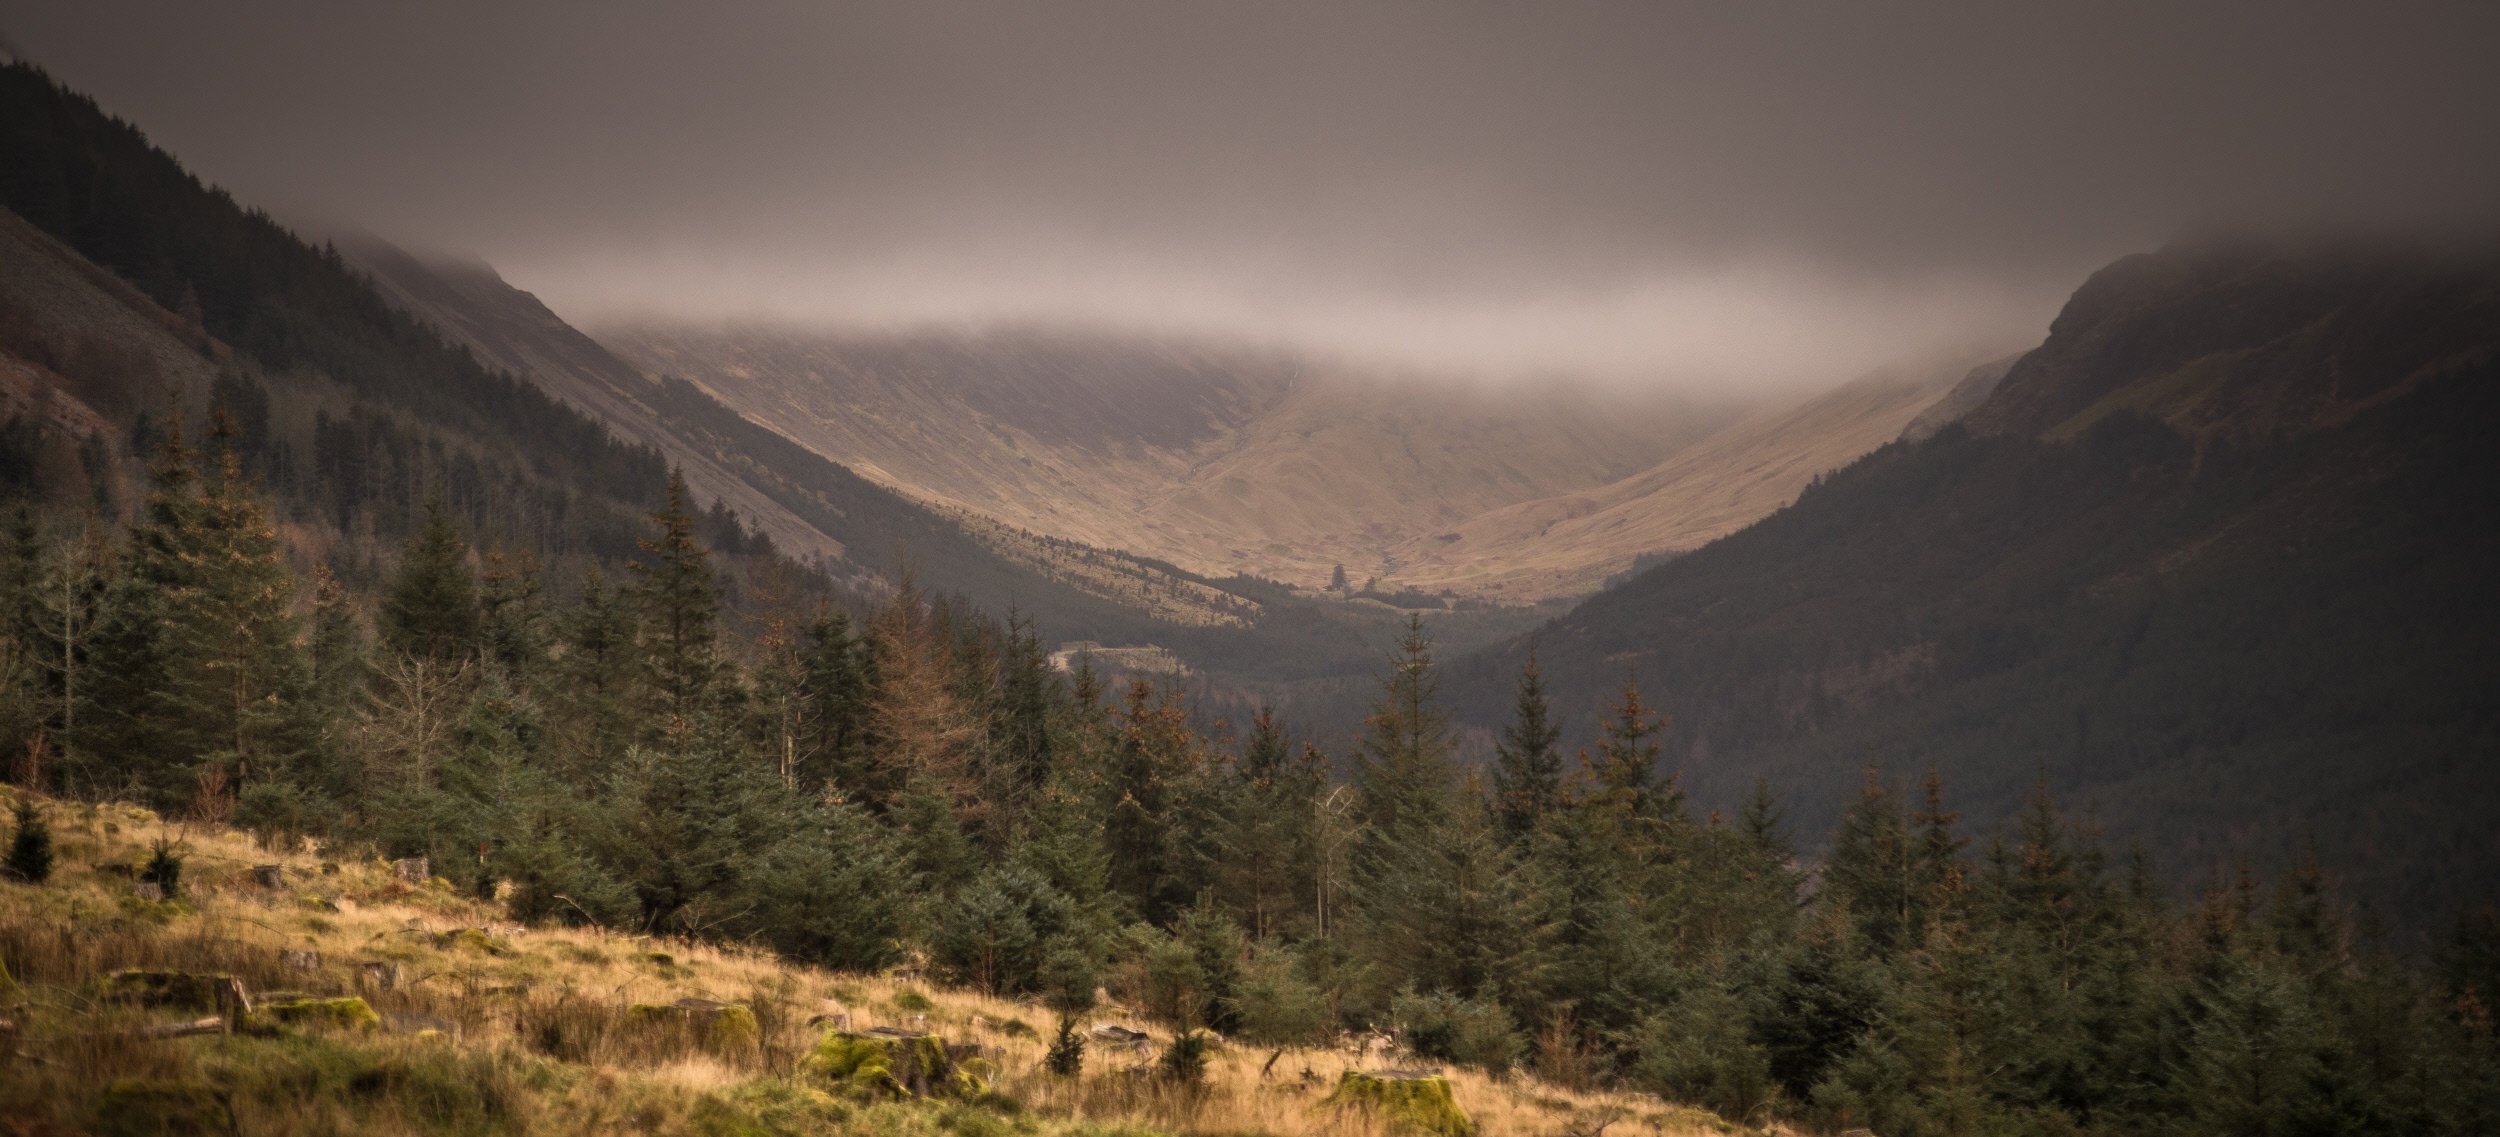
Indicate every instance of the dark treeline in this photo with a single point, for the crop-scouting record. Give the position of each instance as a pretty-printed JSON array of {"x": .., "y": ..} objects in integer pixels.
[{"x": 917, "y": 784}]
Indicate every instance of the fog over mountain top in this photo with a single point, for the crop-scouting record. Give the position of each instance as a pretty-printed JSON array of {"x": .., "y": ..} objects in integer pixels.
[{"x": 1769, "y": 193}]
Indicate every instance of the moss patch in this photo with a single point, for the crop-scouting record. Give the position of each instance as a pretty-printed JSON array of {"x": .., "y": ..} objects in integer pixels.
[{"x": 338, "y": 1014}]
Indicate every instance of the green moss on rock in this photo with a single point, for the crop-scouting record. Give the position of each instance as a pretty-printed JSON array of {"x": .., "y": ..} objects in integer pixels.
[
  {"x": 1416, "y": 1102},
  {"x": 898, "y": 1066}
]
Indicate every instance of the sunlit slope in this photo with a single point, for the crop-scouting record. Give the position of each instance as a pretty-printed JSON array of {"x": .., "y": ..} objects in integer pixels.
[
  {"x": 1569, "y": 544},
  {"x": 1218, "y": 460}
]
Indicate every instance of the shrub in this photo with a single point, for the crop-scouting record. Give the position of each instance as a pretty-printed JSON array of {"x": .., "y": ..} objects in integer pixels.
[
  {"x": 913, "y": 1001},
  {"x": 30, "y": 854}
]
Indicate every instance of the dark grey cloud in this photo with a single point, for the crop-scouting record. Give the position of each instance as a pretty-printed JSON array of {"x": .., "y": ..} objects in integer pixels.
[{"x": 1747, "y": 191}]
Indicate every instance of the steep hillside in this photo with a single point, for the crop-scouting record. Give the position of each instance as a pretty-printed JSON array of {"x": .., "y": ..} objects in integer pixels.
[
  {"x": 1221, "y": 461},
  {"x": 2260, "y": 623},
  {"x": 1569, "y": 544}
]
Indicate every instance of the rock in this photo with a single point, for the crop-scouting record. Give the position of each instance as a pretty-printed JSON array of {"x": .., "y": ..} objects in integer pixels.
[
  {"x": 414, "y": 870},
  {"x": 1404, "y": 1098},
  {"x": 378, "y": 976},
  {"x": 294, "y": 960},
  {"x": 148, "y": 890},
  {"x": 270, "y": 876}
]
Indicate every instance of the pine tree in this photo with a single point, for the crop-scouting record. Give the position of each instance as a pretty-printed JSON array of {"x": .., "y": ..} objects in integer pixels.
[
  {"x": 430, "y": 610},
  {"x": 1528, "y": 771}
]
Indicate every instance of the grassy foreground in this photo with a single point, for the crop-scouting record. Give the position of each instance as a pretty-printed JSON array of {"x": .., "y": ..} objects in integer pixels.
[{"x": 529, "y": 1030}]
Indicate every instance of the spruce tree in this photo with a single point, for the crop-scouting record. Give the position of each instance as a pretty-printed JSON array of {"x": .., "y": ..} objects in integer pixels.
[
  {"x": 597, "y": 681},
  {"x": 680, "y": 605},
  {"x": 1527, "y": 770},
  {"x": 30, "y": 851},
  {"x": 430, "y": 609},
  {"x": 1402, "y": 764},
  {"x": 512, "y": 613},
  {"x": 234, "y": 683}
]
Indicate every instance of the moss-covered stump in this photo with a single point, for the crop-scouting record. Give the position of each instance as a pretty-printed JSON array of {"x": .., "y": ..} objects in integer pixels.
[
  {"x": 350, "y": 1013},
  {"x": 132, "y": 1108},
  {"x": 891, "y": 1064},
  {"x": 725, "y": 1028},
  {"x": 1420, "y": 1102},
  {"x": 179, "y": 989}
]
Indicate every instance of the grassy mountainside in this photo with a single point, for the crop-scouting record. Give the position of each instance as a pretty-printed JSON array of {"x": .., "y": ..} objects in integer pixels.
[
  {"x": 529, "y": 1030},
  {"x": 1220, "y": 461},
  {"x": 1561, "y": 546},
  {"x": 2259, "y": 623}
]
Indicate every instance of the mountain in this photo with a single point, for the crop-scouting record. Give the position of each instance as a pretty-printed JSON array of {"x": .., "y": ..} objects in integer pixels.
[
  {"x": 1569, "y": 544},
  {"x": 2212, "y": 564},
  {"x": 1218, "y": 460}
]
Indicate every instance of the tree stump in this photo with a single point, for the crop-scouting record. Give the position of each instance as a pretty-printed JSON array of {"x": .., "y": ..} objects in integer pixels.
[
  {"x": 233, "y": 1001},
  {"x": 888, "y": 1063}
]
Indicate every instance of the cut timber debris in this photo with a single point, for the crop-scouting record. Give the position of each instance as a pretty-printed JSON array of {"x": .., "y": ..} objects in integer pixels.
[{"x": 1406, "y": 1099}]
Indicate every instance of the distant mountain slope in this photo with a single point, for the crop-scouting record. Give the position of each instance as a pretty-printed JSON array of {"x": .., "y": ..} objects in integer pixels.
[
  {"x": 1569, "y": 544},
  {"x": 2262, "y": 620},
  {"x": 1219, "y": 460},
  {"x": 861, "y": 531}
]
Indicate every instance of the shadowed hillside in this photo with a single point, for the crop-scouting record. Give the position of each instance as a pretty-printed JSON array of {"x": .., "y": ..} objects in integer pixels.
[{"x": 2222, "y": 580}]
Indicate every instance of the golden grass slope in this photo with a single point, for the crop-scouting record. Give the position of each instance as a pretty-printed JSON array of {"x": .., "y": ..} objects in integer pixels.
[
  {"x": 1219, "y": 461},
  {"x": 1569, "y": 544},
  {"x": 526, "y": 1030}
]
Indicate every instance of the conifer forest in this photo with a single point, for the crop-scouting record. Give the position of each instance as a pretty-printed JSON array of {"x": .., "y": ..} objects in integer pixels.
[{"x": 1440, "y": 591}]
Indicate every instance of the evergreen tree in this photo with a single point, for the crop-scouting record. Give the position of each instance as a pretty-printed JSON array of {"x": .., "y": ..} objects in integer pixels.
[
  {"x": 1402, "y": 763},
  {"x": 1527, "y": 771},
  {"x": 596, "y": 681},
  {"x": 30, "y": 850},
  {"x": 512, "y": 613},
  {"x": 834, "y": 688},
  {"x": 430, "y": 610},
  {"x": 680, "y": 607}
]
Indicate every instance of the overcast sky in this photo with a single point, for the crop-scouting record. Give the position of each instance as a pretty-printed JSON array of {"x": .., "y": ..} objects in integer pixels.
[{"x": 1742, "y": 192}]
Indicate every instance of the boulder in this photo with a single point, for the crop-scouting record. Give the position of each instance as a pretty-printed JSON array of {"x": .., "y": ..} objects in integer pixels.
[
  {"x": 294, "y": 960},
  {"x": 414, "y": 870}
]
